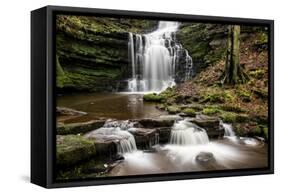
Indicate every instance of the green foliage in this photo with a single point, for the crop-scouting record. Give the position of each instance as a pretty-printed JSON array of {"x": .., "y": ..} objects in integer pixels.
[
  {"x": 61, "y": 78},
  {"x": 232, "y": 108},
  {"x": 173, "y": 109},
  {"x": 230, "y": 117},
  {"x": 189, "y": 112},
  {"x": 211, "y": 110},
  {"x": 216, "y": 96},
  {"x": 258, "y": 73},
  {"x": 244, "y": 95},
  {"x": 152, "y": 97}
]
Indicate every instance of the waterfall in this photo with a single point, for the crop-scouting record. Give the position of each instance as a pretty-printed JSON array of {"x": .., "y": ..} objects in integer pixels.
[
  {"x": 187, "y": 133},
  {"x": 125, "y": 140},
  {"x": 228, "y": 130},
  {"x": 155, "y": 59}
]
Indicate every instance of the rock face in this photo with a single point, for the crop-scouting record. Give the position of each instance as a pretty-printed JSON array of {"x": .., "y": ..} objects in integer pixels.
[
  {"x": 75, "y": 128},
  {"x": 72, "y": 149},
  {"x": 210, "y": 124},
  {"x": 145, "y": 138},
  {"x": 207, "y": 51},
  {"x": 92, "y": 53}
]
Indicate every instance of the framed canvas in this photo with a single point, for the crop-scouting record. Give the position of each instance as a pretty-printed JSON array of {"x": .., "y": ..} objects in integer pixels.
[{"x": 125, "y": 96}]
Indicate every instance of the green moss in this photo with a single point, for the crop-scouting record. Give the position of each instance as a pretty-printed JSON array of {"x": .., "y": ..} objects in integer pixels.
[
  {"x": 72, "y": 149},
  {"x": 210, "y": 111},
  {"x": 244, "y": 95},
  {"x": 189, "y": 112},
  {"x": 173, "y": 109},
  {"x": 61, "y": 78},
  {"x": 216, "y": 96},
  {"x": 241, "y": 118},
  {"x": 152, "y": 97},
  {"x": 258, "y": 73},
  {"x": 230, "y": 117},
  {"x": 232, "y": 108}
]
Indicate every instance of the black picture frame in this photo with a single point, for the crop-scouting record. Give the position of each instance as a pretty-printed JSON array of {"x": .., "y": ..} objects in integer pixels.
[{"x": 43, "y": 96}]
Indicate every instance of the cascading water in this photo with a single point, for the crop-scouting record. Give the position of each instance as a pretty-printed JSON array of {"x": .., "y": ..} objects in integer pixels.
[
  {"x": 126, "y": 141},
  {"x": 228, "y": 130},
  {"x": 155, "y": 58},
  {"x": 187, "y": 133}
]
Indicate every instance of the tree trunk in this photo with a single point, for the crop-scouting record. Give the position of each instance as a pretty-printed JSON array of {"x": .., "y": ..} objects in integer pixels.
[{"x": 233, "y": 72}]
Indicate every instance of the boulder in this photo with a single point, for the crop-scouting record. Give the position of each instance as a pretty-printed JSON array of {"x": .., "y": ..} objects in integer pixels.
[
  {"x": 72, "y": 149},
  {"x": 164, "y": 134},
  {"x": 145, "y": 138},
  {"x": 106, "y": 148},
  {"x": 205, "y": 157},
  {"x": 75, "y": 128},
  {"x": 154, "y": 123},
  {"x": 210, "y": 124}
]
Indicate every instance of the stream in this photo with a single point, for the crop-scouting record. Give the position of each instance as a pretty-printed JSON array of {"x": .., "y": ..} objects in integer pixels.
[{"x": 189, "y": 148}]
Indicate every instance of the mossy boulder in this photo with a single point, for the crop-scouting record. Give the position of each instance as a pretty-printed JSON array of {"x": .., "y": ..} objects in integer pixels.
[
  {"x": 210, "y": 110},
  {"x": 83, "y": 127},
  {"x": 153, "y": 97},
  {"x": 251, "y": 129},
  {"x": 230, "y": 117},
  {"x": 189, "y": 112},
  {"x": 173, "y": 109},
  {"x": 72, "y": 149}
]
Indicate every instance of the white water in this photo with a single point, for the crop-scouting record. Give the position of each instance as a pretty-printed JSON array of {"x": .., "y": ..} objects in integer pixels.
[
  {"x": 187, "y": 133},
  {"x": 126, "y": 141},
  {"x": 228, "y": 130},
  {"x": 155, "y": 57}
]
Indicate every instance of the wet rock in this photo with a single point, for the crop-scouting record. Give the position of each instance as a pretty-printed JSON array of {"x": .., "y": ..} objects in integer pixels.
[
  {"x": 106, "y": 147},
  {"x": 75, "y": 128},
  {"x": 63, "y": 111},
  {"x": 164, "y": 134},
  {"x": 210, "y": 124},
  {"x": 145, "y": 138},
  {"x": 154, "y": 123},
  {"x": 205, "y": 157},
  {"x": 72, "y": 149}
]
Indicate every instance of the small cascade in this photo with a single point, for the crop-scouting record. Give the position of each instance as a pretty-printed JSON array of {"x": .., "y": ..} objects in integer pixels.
[
  {"x": 156, "y": 58},
  {"x": 156, "y": 139},
  {"x": 187, "y": 133},
  {"x": 127, "y": 145},
  {"x": 228, "y": 130},
  {"x": 126, "y": 141}
]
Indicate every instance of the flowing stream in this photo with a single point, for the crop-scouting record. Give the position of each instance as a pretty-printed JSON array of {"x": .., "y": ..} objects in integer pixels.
[
  {"x": 155, "y": 59},
  {"x": 191, "y": 150}
]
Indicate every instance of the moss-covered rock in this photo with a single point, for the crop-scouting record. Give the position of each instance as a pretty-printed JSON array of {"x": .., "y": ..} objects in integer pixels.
[
  {"x": 173, "y": 109},
  {"x": 76, "y": 128},
  {"x": 72, "y": 149},
  {"x": 153, "y": 97},
  {"x": 189, "y": 112},
  {"x": 210, "y": 110},
  {"x": 230, "y": 117}
]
